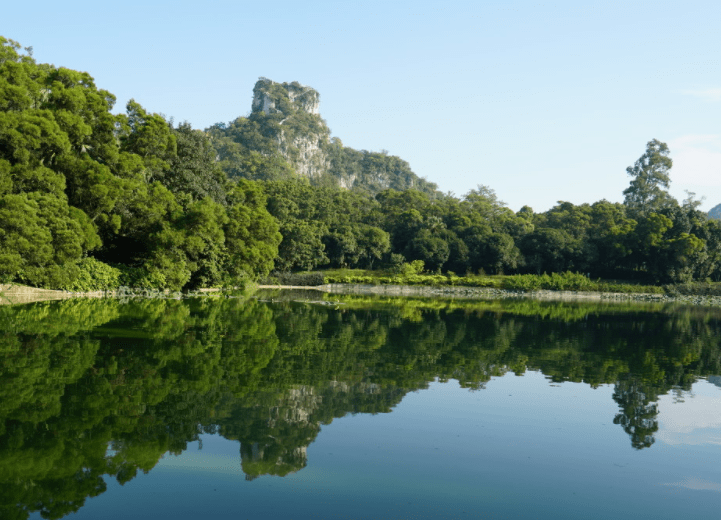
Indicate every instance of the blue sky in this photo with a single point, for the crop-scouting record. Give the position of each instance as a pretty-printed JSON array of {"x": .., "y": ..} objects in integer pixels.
[{"x": 539, "y": 101}]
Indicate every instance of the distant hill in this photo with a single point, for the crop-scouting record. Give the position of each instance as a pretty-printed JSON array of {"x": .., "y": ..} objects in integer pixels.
[
  {"x": 715, "y": 212},
  {"x": 284, "y": 135}
]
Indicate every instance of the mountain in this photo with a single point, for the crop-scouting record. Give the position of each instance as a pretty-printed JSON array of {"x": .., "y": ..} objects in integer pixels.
[
  {"x": 715, "y": 212},
  {"x": 284, "y": 135}
]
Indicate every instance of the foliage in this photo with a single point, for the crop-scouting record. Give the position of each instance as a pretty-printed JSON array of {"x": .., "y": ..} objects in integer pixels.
[
  {"x": 176, "y": 208},
  {"x": 82, "y": 188},
  {"x": 651, "y": 179},
  {"x": 296, "y": 279},
  {"x": 694, "y": 288},
  {"x": 193, "y": 169},
  {"x": 567, "y": 281},
  {"x": 94, "y": 275}
]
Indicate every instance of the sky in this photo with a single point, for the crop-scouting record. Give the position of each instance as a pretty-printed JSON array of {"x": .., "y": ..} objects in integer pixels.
[{"x": 541, "y": 102}]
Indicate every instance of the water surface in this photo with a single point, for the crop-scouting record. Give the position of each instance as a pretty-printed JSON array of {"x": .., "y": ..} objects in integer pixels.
[{"x": 359, "y": 408}]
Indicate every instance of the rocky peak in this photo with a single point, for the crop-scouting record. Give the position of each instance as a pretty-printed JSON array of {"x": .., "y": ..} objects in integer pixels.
[
  {"x": 271, "y": 97},
  {"x": 287, "y": 123}
]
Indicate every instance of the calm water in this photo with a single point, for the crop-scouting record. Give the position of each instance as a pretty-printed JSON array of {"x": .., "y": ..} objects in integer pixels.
[{"x": 361, "y": 408}]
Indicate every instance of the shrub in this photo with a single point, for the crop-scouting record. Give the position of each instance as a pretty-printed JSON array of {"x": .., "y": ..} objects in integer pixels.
[
  {"x": 90, "y": 274},
  {"x": 567, "y": 281},
  {"x": 413, "y": 268},
  {"x": 395, "y": 262},
  {"x": 300, "y": 279},
  {"x": 694, "y": 289}
]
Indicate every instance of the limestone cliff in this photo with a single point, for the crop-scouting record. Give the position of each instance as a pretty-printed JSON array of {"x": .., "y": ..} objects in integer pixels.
[
  {"x": 285, "y": 125},
  {"x": 291, "y": 109}
]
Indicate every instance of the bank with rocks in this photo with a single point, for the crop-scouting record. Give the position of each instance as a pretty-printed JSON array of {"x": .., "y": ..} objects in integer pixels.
[
  {"x": 493, "y": 293},
  {"x": 11, "y": 294}
]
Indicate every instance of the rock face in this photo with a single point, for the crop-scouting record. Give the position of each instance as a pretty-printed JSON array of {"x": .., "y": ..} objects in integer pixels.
[
  {"x": 267, "y": 92},
  {"x": 285, "y": 123},
  {"x": 301, "y": 133}
]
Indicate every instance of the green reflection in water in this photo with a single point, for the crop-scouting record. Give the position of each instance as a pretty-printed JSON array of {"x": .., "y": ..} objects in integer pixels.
[{"x": 95, "y": 388}]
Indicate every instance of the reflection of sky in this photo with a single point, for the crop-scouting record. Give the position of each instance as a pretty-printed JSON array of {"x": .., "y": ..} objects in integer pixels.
[
  {"x": 217, "y": 455},
  {"x": 697, "y": 484},
  {"x": 692, "y": 419},
  {"x": 521, "y": 445}
]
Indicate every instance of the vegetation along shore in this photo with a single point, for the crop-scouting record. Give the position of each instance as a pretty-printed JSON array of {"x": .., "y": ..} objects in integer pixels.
[{"x": 91, "y": 200}]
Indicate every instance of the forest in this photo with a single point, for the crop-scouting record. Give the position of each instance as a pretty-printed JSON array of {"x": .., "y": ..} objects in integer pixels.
[{"x": 92, "y": 200}]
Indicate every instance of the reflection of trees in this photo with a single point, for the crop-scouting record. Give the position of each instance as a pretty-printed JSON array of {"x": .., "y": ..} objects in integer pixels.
[
  {"x": 138, "y": 378},
  {"x": 637, "y": 416},
  {"x": 146, "y": 378}
]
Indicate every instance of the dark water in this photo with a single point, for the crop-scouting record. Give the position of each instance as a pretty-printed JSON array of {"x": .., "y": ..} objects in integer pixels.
[{"x": 364, "y": 408}]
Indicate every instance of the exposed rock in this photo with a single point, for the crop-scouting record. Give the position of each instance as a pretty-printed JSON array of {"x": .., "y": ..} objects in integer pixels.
[
  {"x": 285, "y": 122},
  {"x": 302, "y": 133},
  {"x": 267, "y": 93}
]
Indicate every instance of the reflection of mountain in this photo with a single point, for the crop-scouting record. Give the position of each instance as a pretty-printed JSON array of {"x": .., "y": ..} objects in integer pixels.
[
  {"x": 275, "y": 434},
  {"x": 715, "y": 380},
  {"x": 148, "y": 377}
]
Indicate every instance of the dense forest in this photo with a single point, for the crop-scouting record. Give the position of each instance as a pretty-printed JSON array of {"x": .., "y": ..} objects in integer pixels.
[{"x": 90, "y": 199}]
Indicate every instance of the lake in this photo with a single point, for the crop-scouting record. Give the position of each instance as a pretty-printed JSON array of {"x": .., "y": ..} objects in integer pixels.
[{"x": 285, "y": 406}]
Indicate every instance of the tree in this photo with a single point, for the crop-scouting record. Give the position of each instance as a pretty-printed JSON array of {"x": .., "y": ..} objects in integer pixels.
[
  {"x": 149, "y": 136},
  {"x": 647, "y": 191},
  {"x": 373, "y": 243},
  {"x": 194, "y": 169},
  {"x": 609, "y": 233},
  {"x": 251, "y": 233},
  {"x": 432, "y": 250},
  {"x": 548, "y": 250}
]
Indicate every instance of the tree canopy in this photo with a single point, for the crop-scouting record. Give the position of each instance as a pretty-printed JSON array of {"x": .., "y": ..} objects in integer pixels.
[
  {"x": 130, "y": 191},
  {"x": 90, "y": 199}
]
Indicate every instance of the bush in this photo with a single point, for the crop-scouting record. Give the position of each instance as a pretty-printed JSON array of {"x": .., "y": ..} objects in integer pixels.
[
  {"x": 694, "y": 289},
  {"x": 90, "y": 274},
  {"x": 299, "y": 279},
  {"x": 524, "y": 282},
  {"x": 395, "y": 262},
  {"x": 415, "y": 267},
  {"x": 567, "y": 281}
]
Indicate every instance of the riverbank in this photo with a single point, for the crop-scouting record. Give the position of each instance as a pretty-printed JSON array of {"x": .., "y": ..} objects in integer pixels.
[
  {"x": 14, "y": 294},
  {"x": 492, "y": 293}
]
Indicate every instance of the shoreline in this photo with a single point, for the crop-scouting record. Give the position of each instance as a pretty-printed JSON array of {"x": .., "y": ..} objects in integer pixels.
[
  {"x": 16, "y": 294},
  {"x": 463, "y": 292}
]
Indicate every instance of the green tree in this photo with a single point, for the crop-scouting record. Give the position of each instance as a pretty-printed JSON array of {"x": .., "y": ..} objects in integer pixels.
[
  {"x": 193, "y": 169},
  {"x": 150, "y": 137},
  {"x": 609, "y": 238},
  {"x": 251, "y": 233},
  {"x": 433, "y": 251},
  {"x": 373, "y": 243},
  {"x": 650, "y": 180}
]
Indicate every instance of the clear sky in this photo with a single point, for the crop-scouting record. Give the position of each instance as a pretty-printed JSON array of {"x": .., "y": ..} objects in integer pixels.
[{"x": 539, "y": 101}]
